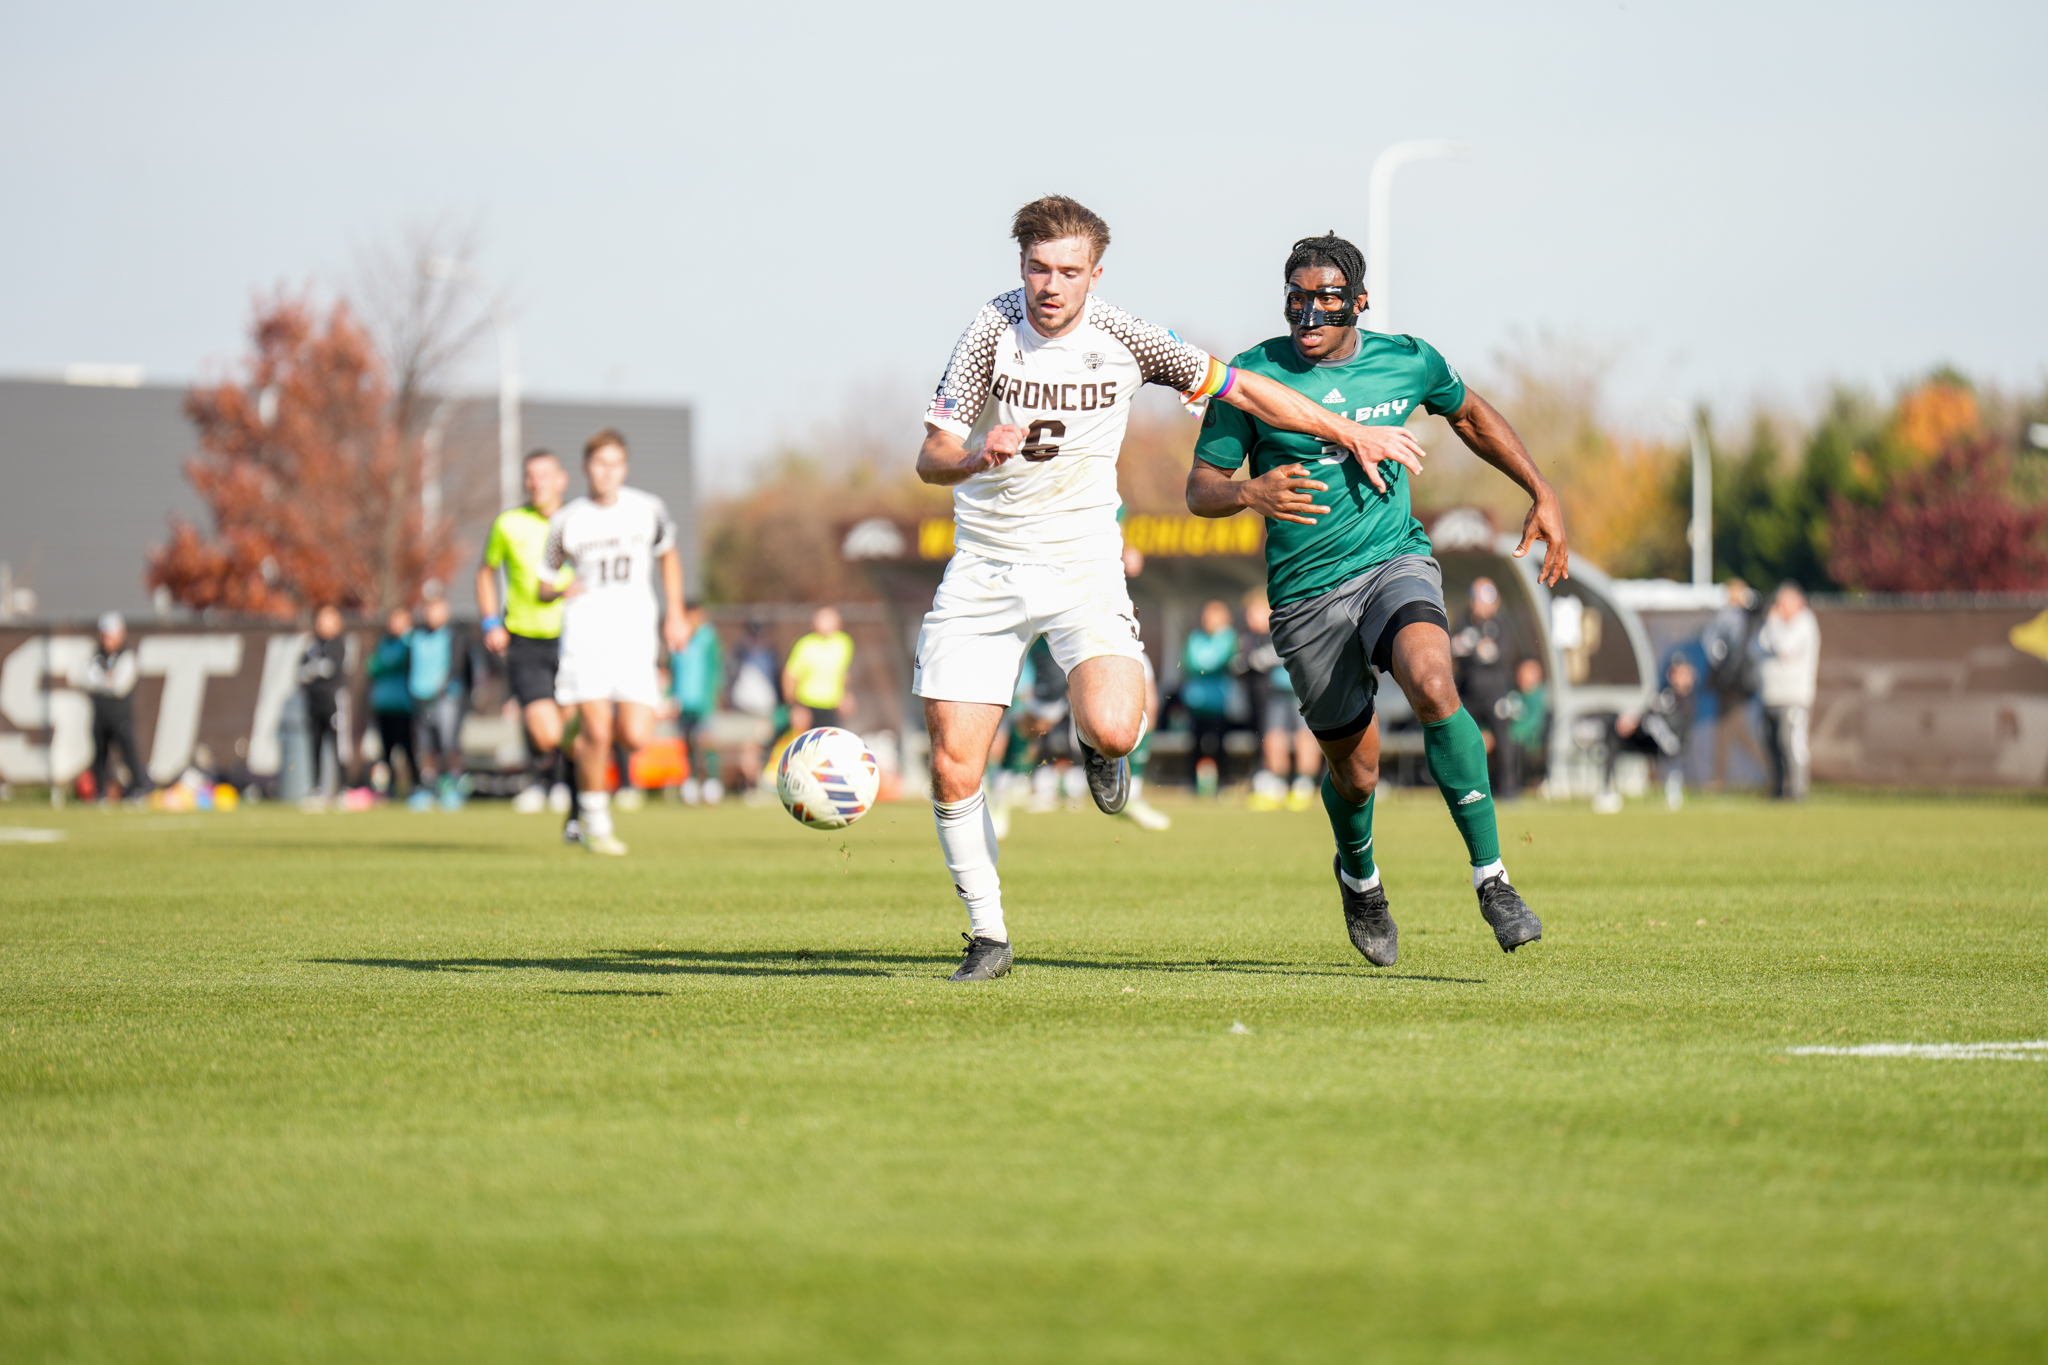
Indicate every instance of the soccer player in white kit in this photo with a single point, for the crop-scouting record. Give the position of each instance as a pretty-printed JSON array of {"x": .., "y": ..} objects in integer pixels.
[
  {"x": 614, "y": 538},
  {"x": 1037, "y": 546}
]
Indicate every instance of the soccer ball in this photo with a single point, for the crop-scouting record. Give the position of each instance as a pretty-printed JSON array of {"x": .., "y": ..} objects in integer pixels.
[{"x": 827, "y": 778}]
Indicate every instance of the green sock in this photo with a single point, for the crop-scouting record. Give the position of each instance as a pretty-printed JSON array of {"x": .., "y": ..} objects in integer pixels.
[
  {"x": 1142, "y": 755},
  {"x": 1457, "y": 760},
  {"x": 1353, "y": 827}
]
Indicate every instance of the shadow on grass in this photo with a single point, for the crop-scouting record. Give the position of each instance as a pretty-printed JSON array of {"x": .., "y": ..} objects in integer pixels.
[{"x": 768, "y": 962}]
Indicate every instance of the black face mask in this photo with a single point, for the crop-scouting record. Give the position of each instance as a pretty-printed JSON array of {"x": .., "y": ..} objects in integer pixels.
[{"x": 1321, "y": 307}]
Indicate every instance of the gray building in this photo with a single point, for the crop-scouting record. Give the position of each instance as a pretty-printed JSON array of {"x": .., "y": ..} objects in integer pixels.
[{"x": 93, "y": 474}]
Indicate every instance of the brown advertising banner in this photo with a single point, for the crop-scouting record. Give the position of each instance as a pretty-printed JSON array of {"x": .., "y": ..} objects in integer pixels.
[
  {"x": 222, "y": 691},
  {"x": 1932, "y": 693}
]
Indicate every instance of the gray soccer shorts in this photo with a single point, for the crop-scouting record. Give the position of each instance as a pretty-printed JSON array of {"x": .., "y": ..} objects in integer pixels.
[{"x": 1331, "y": 642}]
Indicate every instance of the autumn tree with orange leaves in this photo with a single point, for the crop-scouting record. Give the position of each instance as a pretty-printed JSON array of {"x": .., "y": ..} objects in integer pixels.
[{"x": 314, "y": 459}]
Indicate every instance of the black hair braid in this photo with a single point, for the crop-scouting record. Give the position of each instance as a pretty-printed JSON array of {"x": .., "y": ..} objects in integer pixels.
[{"x": 1328, "y": 250}]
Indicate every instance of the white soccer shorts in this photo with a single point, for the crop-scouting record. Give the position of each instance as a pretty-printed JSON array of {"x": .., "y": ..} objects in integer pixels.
[
  {"x": 603, "y": 670},
  {"x": 987, "y": 613}
]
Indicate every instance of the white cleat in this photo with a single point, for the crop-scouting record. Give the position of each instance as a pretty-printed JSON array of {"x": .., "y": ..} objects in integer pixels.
[
  {"x": 530, "y": 801},
  {"x": 1607, "y": 803},
  {"x": 607, "y": 845},
  {"x": 1145, "y": 815}
]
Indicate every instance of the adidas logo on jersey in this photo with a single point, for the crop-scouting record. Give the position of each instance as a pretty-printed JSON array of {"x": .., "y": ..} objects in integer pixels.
[
  {"x": 1469, "y": 797},
  {"x": 1333, "y": 396}
]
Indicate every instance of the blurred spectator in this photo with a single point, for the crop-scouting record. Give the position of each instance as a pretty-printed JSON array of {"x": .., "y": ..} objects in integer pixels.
[
  {"x": 109, "y": 678},
  {"x": 391, "y": 695},
  {"x": 438, "y": 678},
  {"x": 1479, "y": 652},
  {"x": 1658, "y": 732},
  {"x": 1527, "y": 713},
  {"x": 754, "y": 692},
  {"x": 320, "y": 679},
  {"x": 1284, "y": 736},
  {"x": 1732, "y": 675},
  {"x": 696, "y": 671},
  {"x": 1205, "y": 690},
  {"x": 1788, "y": 658},
  {"x": 814, "y": 677}
]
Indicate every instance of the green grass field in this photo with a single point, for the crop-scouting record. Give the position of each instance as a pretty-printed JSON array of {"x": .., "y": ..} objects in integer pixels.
[{"x": 395, "y": 1087}]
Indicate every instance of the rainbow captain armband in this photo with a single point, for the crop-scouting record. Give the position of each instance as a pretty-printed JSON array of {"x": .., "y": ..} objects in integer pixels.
[{"x": 1217, "y": 382}]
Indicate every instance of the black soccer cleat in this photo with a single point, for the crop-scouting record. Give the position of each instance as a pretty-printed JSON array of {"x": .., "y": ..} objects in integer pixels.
[
  {"x": 1371, "y": 924},
  {"x": 986, "y": 960},
  {"x": 1109, "y": 779},
  {"x": 1513, "y": 922}
]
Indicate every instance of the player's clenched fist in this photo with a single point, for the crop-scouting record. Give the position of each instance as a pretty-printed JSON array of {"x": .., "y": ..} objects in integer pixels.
[
  {"x": 999, "y": 445},
  {"x": 1283, "y": 494}
]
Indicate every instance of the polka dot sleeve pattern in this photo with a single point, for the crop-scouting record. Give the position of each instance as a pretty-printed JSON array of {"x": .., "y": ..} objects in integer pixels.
[{"x": 963, "y": 388}]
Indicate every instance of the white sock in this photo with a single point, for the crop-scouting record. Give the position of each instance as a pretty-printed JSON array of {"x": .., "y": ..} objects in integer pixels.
[
  {"x": 967, "y": 839},
  {"x": 1356, "y": 885},
  {"x": 1496, "y": 868},
  {"x": 597, "y": 813}
]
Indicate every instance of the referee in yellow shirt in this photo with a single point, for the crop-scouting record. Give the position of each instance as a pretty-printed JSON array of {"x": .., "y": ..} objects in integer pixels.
[
  {"x": 814, "y": 678},
  {"x": 526, "y": 634}
]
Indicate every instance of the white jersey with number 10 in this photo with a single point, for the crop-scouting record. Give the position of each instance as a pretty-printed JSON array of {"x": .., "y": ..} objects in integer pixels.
[{"x": 613, "y": 550}]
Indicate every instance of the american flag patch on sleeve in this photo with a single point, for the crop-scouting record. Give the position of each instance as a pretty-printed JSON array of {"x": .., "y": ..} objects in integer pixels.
[{"x": 943, "y": 409}]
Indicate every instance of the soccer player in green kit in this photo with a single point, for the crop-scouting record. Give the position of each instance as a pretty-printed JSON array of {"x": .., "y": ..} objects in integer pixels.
[
  {"x": 526, "y": 633},
  {"x": 1350, "y": 576}
]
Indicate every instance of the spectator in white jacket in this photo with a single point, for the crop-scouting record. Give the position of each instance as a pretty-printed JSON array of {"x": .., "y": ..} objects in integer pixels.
[{"x": 1788, "y": 666}]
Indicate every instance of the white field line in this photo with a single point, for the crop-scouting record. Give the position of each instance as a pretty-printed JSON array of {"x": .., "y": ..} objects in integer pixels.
[
  {"x": 2034, "y": 1051},
  {"x": 21, "y": 834}
]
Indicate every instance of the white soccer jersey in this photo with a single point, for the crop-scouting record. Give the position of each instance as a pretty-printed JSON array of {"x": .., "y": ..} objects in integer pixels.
[
  {"x": 614, "y": 550},
  {"x": 1056, "y": 501}
]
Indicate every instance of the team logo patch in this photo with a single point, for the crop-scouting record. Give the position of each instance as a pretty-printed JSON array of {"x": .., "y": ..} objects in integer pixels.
[
  {"x": 1469, "y": 797},
  {"x": 1333, "y": 396},
  {"x": 1093, "y": 360}
]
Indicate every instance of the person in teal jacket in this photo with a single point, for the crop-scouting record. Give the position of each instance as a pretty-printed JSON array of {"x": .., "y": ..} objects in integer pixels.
[
  {"x": 390, "y": 672},
  {"x": 697, "y": 671},
  {"x": 1206, "y": 689}
]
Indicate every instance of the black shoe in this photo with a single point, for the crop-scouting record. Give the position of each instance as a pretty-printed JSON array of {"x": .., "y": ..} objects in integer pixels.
[
  {"x": 1109, "y": 779},
  {"x": 1373, "y": 931},
  {"x": 986, "y": 960},
  {"x": 1513, "y": 922},
  {"x": 572, "y": 831}
]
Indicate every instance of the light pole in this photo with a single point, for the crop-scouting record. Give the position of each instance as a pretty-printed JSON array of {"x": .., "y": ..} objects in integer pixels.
[
  {"x": 1702, "y": 529},
  {"x": 1699, "y": 533},
  {"x": 448, "y": 268},
  {"x": 1379, "y": 226}
]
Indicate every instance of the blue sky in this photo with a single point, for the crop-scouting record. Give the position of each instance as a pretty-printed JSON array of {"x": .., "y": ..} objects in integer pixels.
[{"x": 1734, "y": 201}]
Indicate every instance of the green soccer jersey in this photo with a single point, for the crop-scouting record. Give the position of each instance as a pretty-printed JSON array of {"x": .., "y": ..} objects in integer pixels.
[
  {"x": 1380, "y": 384},
  {"x": 518, "y": 538}
]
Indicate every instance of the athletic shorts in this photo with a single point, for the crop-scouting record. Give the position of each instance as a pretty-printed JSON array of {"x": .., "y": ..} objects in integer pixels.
[
  {"x": 986, "y": 614},
  {"x": 620, "y": 669},
  {"x": 1331, "y": 643},
  {"x": 530, "y": 664}
]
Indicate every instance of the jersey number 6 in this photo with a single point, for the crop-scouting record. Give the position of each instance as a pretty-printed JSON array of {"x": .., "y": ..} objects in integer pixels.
[{"x": 1035, "y": 446}]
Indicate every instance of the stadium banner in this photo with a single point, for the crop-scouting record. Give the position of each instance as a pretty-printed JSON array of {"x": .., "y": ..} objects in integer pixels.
[{"x": 223, "y": 690}]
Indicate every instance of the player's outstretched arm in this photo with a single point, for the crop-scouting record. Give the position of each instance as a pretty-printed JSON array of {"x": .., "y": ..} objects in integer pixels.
[
  {"x": 1283, "y": 494},
  {"x": 1279, "y": 406},
  {"x": 1487, "y": 434},
  {"x": 946, "y": 459}
]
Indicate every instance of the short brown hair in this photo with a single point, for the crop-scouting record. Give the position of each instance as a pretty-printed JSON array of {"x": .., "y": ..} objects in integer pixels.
[
  {"x": 610, "y": 436},
  {"x": 1055, "y": 217}
]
